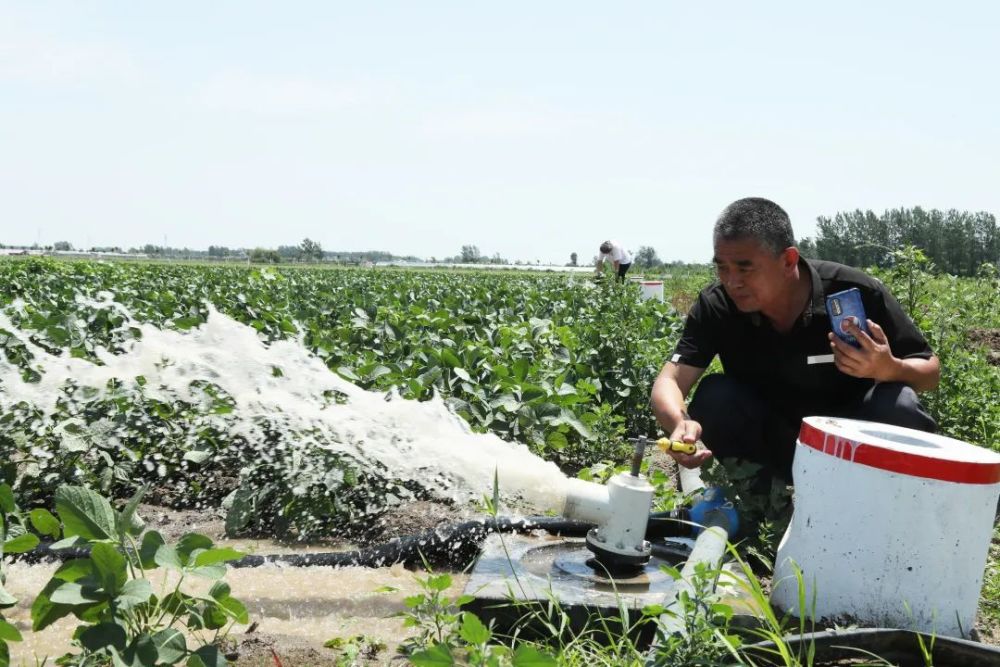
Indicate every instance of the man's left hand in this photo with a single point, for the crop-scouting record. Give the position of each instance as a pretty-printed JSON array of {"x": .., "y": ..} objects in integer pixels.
[{"x": 872, "y": 360}]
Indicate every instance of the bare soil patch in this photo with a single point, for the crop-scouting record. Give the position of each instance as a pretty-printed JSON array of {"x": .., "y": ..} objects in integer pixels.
[{"x": 990, "y": 339}]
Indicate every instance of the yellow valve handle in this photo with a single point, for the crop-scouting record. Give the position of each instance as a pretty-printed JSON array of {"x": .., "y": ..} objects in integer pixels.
[{"x": 668, "y": 445}]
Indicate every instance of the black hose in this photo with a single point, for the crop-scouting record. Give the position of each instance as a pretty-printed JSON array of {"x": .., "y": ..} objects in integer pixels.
[
  {"x": 456, "y": 545},
  {"x": 675, "y": 523}
]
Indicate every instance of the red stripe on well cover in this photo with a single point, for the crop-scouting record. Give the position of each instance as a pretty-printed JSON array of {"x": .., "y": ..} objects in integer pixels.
[{"x": 915, "y": 465}]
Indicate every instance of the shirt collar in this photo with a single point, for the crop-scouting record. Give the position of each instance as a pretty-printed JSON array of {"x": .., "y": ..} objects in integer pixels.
[{"x": 817, "y": 304}]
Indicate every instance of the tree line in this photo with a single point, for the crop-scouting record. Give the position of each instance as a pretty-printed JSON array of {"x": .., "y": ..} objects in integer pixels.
[{"x": 958, "y": 242}]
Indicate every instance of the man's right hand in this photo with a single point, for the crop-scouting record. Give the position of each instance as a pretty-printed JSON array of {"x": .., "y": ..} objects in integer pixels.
[{"x": 688, "y": 430}]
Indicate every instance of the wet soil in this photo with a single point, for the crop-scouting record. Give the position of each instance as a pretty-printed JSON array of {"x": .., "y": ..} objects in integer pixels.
[{"x": 989, "y": 339}]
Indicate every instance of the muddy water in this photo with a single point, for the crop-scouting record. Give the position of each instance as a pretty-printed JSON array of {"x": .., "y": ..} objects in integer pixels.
[{"x": 295, "y": 606}]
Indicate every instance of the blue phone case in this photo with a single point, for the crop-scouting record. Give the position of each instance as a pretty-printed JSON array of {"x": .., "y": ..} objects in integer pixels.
[{"x": 842, "y": 306}]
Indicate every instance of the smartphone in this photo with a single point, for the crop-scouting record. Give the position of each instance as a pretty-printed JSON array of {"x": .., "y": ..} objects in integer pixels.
[{"x": 844, "y": 307}]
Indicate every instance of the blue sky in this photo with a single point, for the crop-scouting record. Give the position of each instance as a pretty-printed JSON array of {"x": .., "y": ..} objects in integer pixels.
[{"x": 532, "y": 130}]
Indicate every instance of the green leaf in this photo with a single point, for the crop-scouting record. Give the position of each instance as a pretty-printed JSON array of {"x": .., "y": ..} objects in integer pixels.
[
  {"x": 8, "y": 632},
  {"x": 210, "y": 656},
  {"x": 134, "y": 593},
  {"x": 568, "y": 418},
  {"x": 151, "y": 542},
  {"x": 378, "y": 372},
  {"x": 530, "y": 392},
  {"x": 438, "y": 655},
  {"x": 189, "y": 542},
  {"x": 529, "y": 656},
  {"x": 556, "y": 440},
  {"x": 473, "y": 631},
  {"x": 236, "y": 609},
  {"x": 449, "y": 358},
  {"x": 508, "y": 402},
  {"x": 241, "y": 510},
  {"x": 185, "y": 323},
  {"x": 141, "y": 652},
  {"x": 109, "y": 566},
  {"x": 73, "y": 570},
  {"x": 209, "y": 571},
  {"x": 45, "y": 612},
  {"x": 6, "y": 599},
  {"x": 44, "y": 523},
  {"x": 220, "y": 555},
  {"x": 167, "y": 557},
  {"x": 348, "y": 374},
  {"x": 214, "y": 616},
  {"x": 7, "y": 504},
  {"x": 171, "y": 646},
  {"x": 72, "y": 593},
  {"x": 439, "y": 582},
  {"x": 85, "y": 513},
  {"x": 462, "y": 373},
  {"x": 128, "y": 522},
  {"x": 99, "y": 636},
  {"x": 220, "y": 590},
  {"x": 68, "y": 543},
  {"x": 20, "y": 544}
]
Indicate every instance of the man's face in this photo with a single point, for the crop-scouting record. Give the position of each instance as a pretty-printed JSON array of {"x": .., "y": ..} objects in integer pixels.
[{"x": 753, "y": 277}]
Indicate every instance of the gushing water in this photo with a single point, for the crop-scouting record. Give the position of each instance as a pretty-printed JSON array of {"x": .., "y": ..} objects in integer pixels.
[{"x": 284, "y": 385}]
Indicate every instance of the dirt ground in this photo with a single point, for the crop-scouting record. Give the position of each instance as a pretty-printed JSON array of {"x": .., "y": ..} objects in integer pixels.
[{"x": 990, "y": 339}]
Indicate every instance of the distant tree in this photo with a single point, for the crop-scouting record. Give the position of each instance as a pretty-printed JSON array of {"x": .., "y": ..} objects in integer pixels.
[
  {"x": 220, "y": 251},
  {"x": 310, "y": 250},
  {"x": 264, "y": 256},
  {"x": 62, "y": 246},
  {"x": 807, "y": 248},
  {"x": 470, "y": 254},
  {"x": 150, "y": 249},
  {"x": 646, "y": 258},
  {"x": 957, "y": 242},
  {"x": 572, "y": 259}
]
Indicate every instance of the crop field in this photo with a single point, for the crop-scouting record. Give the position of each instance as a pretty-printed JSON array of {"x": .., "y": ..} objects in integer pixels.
[{"x": 205, "y": 384}]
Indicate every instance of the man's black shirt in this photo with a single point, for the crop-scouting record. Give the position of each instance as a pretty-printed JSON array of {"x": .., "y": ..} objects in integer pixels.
[{"x": 794, "y": 370}]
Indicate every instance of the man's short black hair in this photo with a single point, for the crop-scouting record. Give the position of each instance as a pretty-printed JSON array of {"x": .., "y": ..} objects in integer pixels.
[
  {"x": 755, "y": 218},
  {"x": 606, "y": 247}
]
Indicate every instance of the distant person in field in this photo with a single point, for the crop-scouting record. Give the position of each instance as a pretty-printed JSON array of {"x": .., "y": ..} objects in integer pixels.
[
  {"x": 620, "y": 258},
  {"x": 766, "y": 319}
]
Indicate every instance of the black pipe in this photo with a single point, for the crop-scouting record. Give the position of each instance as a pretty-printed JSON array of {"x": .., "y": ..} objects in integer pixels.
[
  {"x": 896, "y": 646},
  {"x": 455, "y": 545},
  {"x": 675, "y": 523}
]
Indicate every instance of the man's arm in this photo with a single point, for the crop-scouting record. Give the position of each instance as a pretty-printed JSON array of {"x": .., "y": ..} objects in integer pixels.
[{"x": 667, "y": 402}]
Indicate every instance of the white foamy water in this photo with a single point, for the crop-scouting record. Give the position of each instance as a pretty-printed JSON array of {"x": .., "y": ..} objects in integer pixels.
[{"x": 420, "y": 441}]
